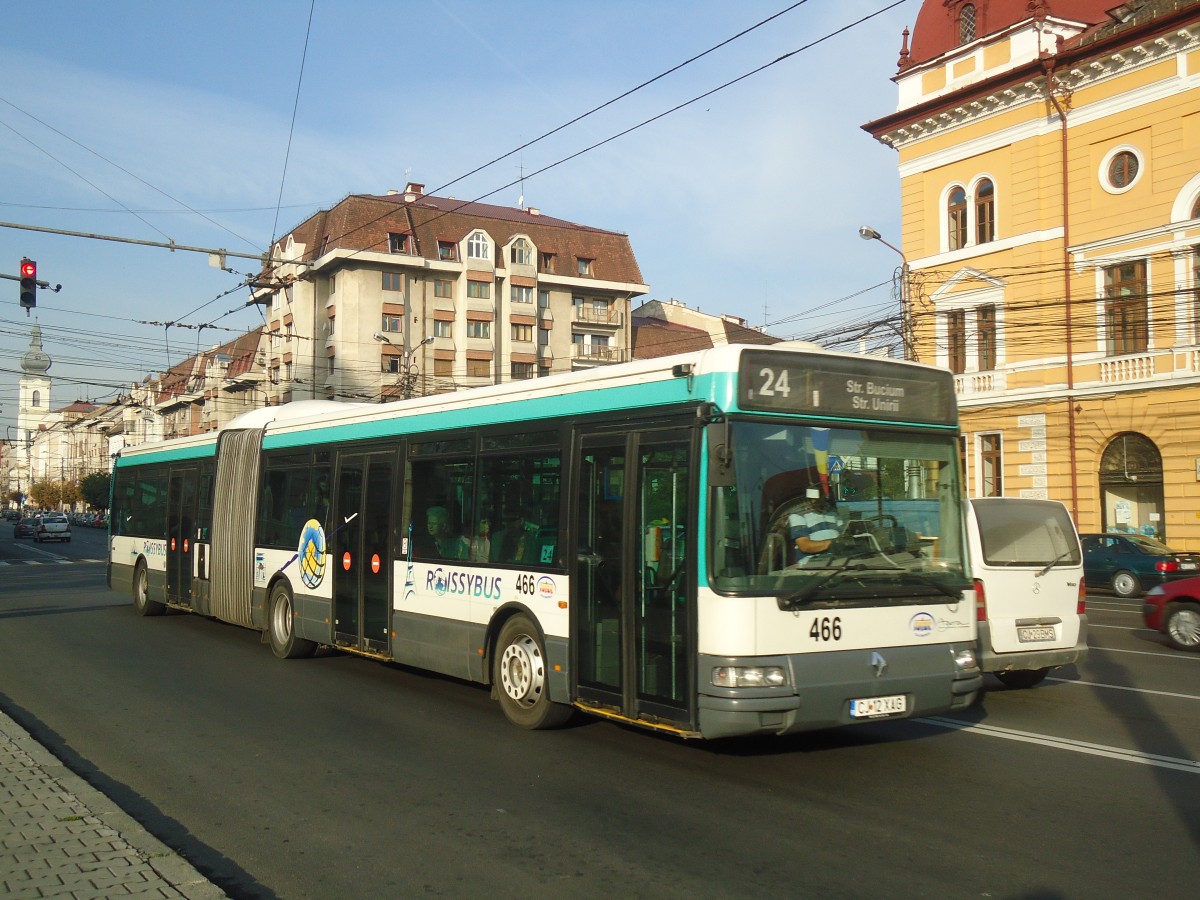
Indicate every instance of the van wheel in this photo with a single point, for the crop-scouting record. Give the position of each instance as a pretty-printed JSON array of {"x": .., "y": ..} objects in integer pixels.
[
  {"x": 1126, "y": 584},
  {"x": 282, "y": 627},
  {"x": 519, "y": 675},
  {"x": 1022, "y": 678},
  {"x": 141, "y": 594},
  {"x": 1183, "y": 627}
]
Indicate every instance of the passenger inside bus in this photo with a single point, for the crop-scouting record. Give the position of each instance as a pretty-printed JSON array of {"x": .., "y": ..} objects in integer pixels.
[{"x": 442, "y": 542}]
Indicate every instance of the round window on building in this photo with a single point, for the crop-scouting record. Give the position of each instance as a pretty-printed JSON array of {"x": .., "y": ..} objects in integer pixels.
[{"x": 1121, "y": 170}]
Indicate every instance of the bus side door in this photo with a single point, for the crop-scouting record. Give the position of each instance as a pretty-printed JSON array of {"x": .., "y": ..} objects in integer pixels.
[
  {"x": 362, "y": 551},
  {"x": 632, "y": 631},
  {"x": 182, "y": 505}
]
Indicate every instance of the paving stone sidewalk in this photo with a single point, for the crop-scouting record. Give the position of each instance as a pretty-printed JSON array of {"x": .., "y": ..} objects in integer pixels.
[{"x": 60, "y": 837}]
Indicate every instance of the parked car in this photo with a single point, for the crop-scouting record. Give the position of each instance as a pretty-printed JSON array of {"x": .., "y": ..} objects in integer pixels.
[
  {"x": 1129, "y": 564},
  {"x": 52, "y": 528},
  {"x": 25, "y": 527},
  {"x": 1174, "y": 610}
]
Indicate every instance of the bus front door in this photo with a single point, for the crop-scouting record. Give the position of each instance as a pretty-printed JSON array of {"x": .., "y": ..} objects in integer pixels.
[
  {"x": 362, "y": 552},
  {"x": 631, "y": 627},
  {"x": 181, "y": 533}
]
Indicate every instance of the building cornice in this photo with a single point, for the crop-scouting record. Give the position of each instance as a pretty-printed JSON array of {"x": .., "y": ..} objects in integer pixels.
[{"x": 1073, "y": 70}]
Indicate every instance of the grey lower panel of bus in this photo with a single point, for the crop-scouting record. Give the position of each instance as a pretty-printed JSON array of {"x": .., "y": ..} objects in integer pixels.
[
  {"x": 924, "y": 675},
  {"x": 120, "y": 578},
  {"x": 991, "y": 661}
]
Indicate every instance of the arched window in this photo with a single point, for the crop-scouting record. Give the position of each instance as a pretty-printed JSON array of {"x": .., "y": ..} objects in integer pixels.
[
  {"x": 478, "y": 246},
  {"x": 1196, "y": 209},
  {"x": 966, "y": 23},
  {"x": 956, "y": 218},
  {"x": 36, "y": 400},
  {"x": 985, "y": 212}
]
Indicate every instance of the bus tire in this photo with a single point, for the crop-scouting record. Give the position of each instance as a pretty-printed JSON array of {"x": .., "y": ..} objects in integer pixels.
[
  {"x": 519, "y": 674},
  {"x": 1022, "y": 678},
  {"x": 281, "y": 626},
  {"x": 141, "y": 594}
]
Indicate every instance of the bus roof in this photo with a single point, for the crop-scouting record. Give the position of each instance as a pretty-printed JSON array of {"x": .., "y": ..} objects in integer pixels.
[{"x": 700, "y": 376}]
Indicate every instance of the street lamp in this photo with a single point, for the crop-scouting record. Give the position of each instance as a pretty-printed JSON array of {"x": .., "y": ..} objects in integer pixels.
[
  {"x": 867, "y": 233},
  {"x": 408, "y": 374}
]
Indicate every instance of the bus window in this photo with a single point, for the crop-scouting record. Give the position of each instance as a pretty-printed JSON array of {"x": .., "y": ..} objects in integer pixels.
[{"x": 441, "y": 508}]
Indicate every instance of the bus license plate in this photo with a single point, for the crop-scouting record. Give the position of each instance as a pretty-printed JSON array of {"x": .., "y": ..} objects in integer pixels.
[
  {"x": 1031, "y": 634},
  {"x": 868, "y": 707}
]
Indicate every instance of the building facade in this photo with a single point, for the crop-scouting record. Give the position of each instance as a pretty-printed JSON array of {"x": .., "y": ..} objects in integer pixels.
[
  {"x": 407, "y": 294},
  {"x": 1050, "y": 201}
]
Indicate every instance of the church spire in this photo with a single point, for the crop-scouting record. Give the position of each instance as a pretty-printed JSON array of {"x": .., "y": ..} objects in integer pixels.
[{"x": 35, "y": 361}]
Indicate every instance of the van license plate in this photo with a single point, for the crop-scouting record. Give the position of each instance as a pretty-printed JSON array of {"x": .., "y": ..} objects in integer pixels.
[
  {"x": 1029, "y": 635},
  {"x": 869, "y": 707}
]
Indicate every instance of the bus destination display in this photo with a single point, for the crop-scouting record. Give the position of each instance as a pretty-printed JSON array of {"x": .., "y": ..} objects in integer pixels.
[{"x": 833, "y": 386}]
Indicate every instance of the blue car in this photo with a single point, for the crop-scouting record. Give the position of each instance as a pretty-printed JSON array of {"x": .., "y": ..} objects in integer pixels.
[{"x": 1131, "y": 564}]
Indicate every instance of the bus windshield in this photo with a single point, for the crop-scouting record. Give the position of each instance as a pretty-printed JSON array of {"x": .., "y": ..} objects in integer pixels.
[{"x": 827, "y": 517}]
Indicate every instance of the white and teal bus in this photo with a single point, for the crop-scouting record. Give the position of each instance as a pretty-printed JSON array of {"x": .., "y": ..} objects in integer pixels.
[{"x": 736, "y": 541}]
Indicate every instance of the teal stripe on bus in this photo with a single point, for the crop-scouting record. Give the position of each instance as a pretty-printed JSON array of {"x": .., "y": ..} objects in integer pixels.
[
  {"x": 525, "y": 412},
  {"x": 166, "y": 455}
]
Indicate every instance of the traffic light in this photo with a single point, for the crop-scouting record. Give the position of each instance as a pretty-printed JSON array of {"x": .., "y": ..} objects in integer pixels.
[{"x": 28, "y": 283}]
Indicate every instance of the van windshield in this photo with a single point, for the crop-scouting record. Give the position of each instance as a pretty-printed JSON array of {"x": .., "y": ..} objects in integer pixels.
[
  {"x": 1016, "y": 532},
  {"x": 837, "y": 516}
]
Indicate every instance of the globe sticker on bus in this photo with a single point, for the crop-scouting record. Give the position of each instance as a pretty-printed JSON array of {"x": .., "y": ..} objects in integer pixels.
[{"x": 312, "y": 553}]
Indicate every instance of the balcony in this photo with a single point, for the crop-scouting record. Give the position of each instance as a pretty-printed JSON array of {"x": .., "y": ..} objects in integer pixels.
[
  {"x": 1137, "y": 367},
  {"x": 598, "y": 315},
  {"x": 595, "y": 354}
]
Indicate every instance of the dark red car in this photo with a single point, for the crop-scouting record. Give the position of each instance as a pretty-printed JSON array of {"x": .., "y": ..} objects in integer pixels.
[{"x": 1174, "y": 609}]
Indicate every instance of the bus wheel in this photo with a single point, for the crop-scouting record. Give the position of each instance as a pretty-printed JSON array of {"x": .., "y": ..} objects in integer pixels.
[
  {"x": 1022, "y": 678},
  {"x": 281, "y": 626},
  {"x": 519, "y": 673},
  {"x": 141, "y": 594}
]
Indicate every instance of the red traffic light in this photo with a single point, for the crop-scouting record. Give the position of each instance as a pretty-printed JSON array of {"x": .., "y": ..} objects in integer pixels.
[{"x": 28, "y": 268}]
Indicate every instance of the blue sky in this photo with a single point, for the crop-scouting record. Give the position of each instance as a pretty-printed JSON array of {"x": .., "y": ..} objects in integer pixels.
[{"x": 170, "y": 122}]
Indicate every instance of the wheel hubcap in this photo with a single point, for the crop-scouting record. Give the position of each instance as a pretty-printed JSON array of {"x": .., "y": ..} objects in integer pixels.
[
  {"x": 283, "y": 620},
  {"x": 522, "y": 672},
  {"x": 1185, "y": 627}
]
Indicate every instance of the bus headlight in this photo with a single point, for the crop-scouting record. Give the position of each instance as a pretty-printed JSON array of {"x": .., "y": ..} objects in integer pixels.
[
  {"x": 964, "y": 659},
  {"x": 748, "y": 676}
]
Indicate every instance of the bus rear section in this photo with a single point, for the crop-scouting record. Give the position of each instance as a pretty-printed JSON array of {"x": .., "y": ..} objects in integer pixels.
[{"x": 1028, "y": 570}]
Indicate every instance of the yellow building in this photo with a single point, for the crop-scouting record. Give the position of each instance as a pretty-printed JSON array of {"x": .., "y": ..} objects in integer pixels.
[{"x": 1049, "y": 158}]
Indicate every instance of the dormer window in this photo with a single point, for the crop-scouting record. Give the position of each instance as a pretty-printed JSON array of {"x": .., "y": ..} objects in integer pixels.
[
  {"x": 447, "y": 251},
  {"x": 400, "y": 243},
  {"x": 966, "y": 23},
  {"x": 583, "y": 266},
  {"x": 522, "y": 253},
  {"x": 546, "y": 262},
  {"x": 478, "y": 246}
]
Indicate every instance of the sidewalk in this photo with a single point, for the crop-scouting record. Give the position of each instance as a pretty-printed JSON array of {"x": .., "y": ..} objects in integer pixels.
[{"x": 59, "y": 837}]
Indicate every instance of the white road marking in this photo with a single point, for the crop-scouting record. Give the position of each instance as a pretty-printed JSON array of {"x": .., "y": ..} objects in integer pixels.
[
  {"x": 1122, "y": 687},
  {"x": 1118, "y": 753}
]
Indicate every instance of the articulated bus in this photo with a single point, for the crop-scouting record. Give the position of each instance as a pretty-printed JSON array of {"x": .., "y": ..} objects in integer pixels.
[{"x": 744, "y": 540}]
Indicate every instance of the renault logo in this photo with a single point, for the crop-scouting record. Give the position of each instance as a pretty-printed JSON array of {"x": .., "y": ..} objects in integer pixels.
[{"x": 879, "y": 663}]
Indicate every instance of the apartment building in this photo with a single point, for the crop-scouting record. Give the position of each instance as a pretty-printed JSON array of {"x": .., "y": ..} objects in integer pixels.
[
  {"x": 1050, "y": 203},
  {"x": 407, "y": 294}
]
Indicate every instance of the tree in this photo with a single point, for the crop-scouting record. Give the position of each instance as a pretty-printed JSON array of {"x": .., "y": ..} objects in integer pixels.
[
  {"x": 96, "y": 489},
  {"x": 69, "y": 495},
  {"x": 46, "y": 494}
]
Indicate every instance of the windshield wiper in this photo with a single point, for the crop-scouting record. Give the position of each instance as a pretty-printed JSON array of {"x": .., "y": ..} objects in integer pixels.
[
  {"x": 1054, "y": 562},
  {"x": 790, "y": 601}
]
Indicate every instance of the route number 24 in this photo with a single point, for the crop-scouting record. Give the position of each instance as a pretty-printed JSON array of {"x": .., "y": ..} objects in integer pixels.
[
  {"x": 775, "y": 384},
  {"x": 825, "y": 628}
]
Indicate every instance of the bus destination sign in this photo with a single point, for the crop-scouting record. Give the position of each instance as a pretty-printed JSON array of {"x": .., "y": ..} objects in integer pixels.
[{"x": 855, "y": 387}]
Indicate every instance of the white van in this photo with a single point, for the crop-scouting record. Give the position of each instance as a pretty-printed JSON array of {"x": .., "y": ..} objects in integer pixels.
[{"x": 1029, "y": 591}]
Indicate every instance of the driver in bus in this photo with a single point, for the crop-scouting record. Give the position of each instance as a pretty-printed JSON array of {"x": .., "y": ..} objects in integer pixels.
[{"x": 813, "y": 525}]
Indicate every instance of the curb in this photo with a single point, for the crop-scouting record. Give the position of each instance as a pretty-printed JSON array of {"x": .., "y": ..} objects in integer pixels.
[{"x": 172, "y": 868}]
